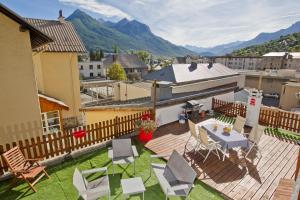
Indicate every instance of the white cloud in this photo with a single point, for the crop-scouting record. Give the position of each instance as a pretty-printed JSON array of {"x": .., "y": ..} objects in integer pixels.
[{"x": 95, "y": 6}]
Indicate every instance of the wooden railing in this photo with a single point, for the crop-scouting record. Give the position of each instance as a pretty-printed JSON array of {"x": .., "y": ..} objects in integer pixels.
[
  {"x": 56, "y": 144},
  {"x": 272, "y": 117},
  {"x": 230, "y": 109}
]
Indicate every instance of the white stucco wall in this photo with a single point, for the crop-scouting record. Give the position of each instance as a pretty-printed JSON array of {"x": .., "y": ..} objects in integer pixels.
[{"x": 170, "y": 114}]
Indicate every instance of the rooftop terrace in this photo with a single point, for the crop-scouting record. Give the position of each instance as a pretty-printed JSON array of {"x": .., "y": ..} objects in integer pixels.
[{"x": 236, "y": 177}]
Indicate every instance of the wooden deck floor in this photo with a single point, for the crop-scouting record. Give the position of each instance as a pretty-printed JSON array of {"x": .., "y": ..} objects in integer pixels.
[{"x": 236, "y": 177}]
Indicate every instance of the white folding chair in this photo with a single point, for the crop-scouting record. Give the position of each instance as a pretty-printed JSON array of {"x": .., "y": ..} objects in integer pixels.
[
  {"x": 254, "y": 138},
  {"x": 208, "y": 144},
  {"x": 239, "y": 124},
  {"x": 193, "y": 134}
]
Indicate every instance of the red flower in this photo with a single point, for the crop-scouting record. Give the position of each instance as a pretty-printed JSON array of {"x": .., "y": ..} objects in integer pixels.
[{"x": 146, "y": 117}]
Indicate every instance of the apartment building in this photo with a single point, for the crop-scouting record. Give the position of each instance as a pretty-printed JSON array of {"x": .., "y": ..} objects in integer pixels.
[
  {"x": 240, "y": 62},
  {"x": 91, "y": 69},
  {"x": 281, "y": 60}
]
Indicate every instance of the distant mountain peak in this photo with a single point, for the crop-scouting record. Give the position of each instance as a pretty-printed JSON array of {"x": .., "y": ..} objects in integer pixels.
[
  {"x": 126, "y": 34},
  {"x": 132, "y": 27}
]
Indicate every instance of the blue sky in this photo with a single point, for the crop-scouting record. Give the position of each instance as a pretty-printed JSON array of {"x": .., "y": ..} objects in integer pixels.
[{"x": 194, "y": 22}]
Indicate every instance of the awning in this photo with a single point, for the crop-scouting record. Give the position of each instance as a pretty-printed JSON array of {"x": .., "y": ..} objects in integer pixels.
[{"x": 48, "y": 103}]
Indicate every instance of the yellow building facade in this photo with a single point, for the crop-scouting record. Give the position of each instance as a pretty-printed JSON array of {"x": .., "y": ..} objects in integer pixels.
[
  {"x": 19, "y": 104},
  {"x": 36, "y": 65},
  {"x": 57, "y": 76}
]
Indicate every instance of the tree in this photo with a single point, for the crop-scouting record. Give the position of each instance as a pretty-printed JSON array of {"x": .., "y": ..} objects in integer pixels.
[
  {"x": 98, "y": 56},
  {"x": 143, "y": 55},
  {"x": 101, "y": 54},
  {"x": 116, "y": 72},
  {"x": 115, "y": 49},
  {"x": 92, "y": 55}
]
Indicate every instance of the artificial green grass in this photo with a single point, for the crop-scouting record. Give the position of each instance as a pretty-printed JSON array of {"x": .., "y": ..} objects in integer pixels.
[{"x": 60, "y": 185}]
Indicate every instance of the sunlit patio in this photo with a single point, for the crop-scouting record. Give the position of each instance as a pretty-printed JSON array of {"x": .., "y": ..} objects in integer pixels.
[{"x": 236, "y": 177}]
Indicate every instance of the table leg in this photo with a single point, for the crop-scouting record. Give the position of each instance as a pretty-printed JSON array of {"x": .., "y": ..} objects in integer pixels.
[
  {"x": 143, "y": 196},
  {"x": 224, "y": 152}
]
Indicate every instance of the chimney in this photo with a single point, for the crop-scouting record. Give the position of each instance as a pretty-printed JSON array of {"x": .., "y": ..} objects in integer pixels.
[
  {"x": 114, "y": 58},
  {"x": 211, "y": 63},
  {"x": 61, "y": 18}
]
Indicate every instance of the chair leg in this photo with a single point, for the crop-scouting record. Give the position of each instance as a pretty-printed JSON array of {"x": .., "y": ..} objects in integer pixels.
[
  {"x": 46, "y": 174},
  {"x": 249, "y": 150},
  {"x": 113, "y": 169},
  {"x": 218, "y": 153},
  {"x": 207, "y": 155},
  {"x": 31, "y": 185}
]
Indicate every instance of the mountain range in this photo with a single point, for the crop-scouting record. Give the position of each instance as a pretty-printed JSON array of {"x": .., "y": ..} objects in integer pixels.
[
  {"x": 233, "y": 46},
  {"x": 126, "y": 34},
  {"x": 287, "y": 43}
]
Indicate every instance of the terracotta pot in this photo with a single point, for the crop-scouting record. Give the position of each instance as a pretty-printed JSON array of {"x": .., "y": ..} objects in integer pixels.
[
  {"x": 145, "y": 136},
  {"x": 202, "y": 114}
]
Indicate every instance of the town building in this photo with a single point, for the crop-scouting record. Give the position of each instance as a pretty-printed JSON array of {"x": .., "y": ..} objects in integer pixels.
[
  {"x": 39, "y": 76},
  {"x": 91, "y": 69},
  {"x": 290, "y": 96},
  {"x": 188, "y": 59},
  {"x": 240, "y": 62},
  {"x": 175, "y": 85},
  {"x": 130, "y": 62},
  {"x": 281, "y": 60},
  {"x": 269, "y": 81},
  {"x": 56, "y": 68}
]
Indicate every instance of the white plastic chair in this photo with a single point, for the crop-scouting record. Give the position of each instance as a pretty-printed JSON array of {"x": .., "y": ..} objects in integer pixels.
[
  {"x": 94, "y": 189},
  {"x": 208, "y": 144}
]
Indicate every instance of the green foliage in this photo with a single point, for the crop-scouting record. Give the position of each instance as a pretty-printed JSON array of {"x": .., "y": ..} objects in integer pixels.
[
  {"x": 115, "y": 49},
  {"x": 143, "y": 55},
  {"x": 117, "y": 72},
  {"x": 286, "y": 43}
]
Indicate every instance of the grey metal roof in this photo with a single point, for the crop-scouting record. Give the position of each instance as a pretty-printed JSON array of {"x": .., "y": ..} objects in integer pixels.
[
  {"x": 131, "y": 61},
  {"x": 64, "y": 35},
  {"x": 181, "y": 73}
]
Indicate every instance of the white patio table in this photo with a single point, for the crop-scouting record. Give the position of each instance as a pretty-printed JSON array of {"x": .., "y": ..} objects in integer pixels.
[{"x": 227, "y": 141}]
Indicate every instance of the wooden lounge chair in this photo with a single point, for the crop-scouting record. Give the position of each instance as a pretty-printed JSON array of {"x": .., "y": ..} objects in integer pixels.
[{"x": 27, "y": 169}]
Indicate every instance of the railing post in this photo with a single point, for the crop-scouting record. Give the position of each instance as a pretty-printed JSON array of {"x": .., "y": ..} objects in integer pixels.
[{"x": 298, "y": 163}]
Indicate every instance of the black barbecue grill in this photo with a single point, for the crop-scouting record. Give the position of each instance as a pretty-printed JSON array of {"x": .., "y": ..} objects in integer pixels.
[{"x": 192, "y": 109}]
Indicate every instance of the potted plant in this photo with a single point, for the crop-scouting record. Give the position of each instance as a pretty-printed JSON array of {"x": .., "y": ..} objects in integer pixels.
[{"x": 145, "y": 127}]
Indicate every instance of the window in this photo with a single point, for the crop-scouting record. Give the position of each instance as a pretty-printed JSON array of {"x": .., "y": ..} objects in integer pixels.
[
  {"x": 51, "y": 122},
  {"x": 91, "y": 66},
  {"x": 81, "y": 67},
  {"x": 99, "y": 74},
  {"x": 98, "y": 67},
  {"x": 91, "y": 74}
]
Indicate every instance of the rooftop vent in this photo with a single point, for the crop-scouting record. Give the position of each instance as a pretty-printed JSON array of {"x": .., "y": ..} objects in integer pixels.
[
  {"x": 210, "y": 64},
  {"x": 193, "y": 66},
  {"x": 61, "y": 18}
]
